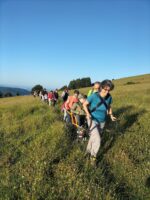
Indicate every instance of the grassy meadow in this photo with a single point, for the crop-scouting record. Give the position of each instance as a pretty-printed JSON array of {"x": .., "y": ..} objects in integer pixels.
[{"x": 41, "y": 160}]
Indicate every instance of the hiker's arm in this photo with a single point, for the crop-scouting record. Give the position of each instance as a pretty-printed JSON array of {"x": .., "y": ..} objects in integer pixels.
[
  {"x": 111, "y": 114},
  {"x": 85, "y": 107}
]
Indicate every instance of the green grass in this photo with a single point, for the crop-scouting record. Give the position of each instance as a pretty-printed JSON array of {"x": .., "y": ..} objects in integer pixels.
[{"x": 39, "y": 158}]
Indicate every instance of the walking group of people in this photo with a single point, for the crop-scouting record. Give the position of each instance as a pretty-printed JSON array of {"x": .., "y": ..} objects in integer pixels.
[
  {"x": 92, "y": 110},
  {"x": 51, "y": 97},
  {"x": 95, "y": 107}
]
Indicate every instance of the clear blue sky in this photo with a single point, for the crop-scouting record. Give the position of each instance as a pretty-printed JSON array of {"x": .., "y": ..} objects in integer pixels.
[{"x": 51, "y": 42}]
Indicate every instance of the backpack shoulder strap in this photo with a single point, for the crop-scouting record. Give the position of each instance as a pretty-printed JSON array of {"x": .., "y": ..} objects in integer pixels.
[
  {"x": 99, "y": 103},
  {"x": 102, "y": 101}
]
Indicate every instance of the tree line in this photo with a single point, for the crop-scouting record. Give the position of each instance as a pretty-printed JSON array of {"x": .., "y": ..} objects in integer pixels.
[
  {"x": 74, "y": 84},
  {"x": 7, "y": 94},
  {"x": 78, "y": 83}
]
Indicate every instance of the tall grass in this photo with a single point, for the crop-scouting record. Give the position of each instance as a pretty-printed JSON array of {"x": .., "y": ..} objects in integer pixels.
[{"x": 40, "y": 158}]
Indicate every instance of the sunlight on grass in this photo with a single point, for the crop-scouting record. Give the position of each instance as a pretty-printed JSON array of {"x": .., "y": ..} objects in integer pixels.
[{"x": 39, "y": 159}]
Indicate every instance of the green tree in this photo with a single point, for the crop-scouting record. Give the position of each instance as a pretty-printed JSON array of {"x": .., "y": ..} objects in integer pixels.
[
  {"x": 72, "y": 85},
  {"x": 86, "y": 81},
  {"x": 37, "y": 88},
  {"x": 79, "y": 83},
  {"x": 63, "y": 88},
  {"x": 8, "y": 94}
]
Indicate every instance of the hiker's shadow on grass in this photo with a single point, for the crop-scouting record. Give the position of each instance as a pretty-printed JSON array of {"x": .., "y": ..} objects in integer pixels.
[{"x": 126, "y": 116}]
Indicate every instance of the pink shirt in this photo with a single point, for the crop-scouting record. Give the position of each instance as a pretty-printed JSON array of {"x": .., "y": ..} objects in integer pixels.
[{"x": 70, "y": 101}]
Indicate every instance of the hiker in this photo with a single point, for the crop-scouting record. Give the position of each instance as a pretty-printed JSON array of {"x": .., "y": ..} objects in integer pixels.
[
  {"x": 65, "y": 95},
  {"x": 35, "y": 93},
  {"x": 56, "y": 95},
  {"x": 77, "y": 109},
  {"x": 51, "y": 98},
  {"x": 79, "y": 114},
  {"x": 40, "y": 94},
  {"x": 99, "y": 105},
  {"x": 45, "y": 94},
  {"x": 95, "y": 88},
  {"x": 68, "y": 104}
]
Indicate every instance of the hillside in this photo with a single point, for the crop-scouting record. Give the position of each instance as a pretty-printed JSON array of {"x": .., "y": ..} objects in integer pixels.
[
  {"x": 14, "y": 91},
  {"x": 40, "y": 159}
]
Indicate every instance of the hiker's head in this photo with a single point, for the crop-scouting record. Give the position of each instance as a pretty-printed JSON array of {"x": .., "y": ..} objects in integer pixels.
[
  {"x": 82, "y": 98},
  {"x": 66, "y": 89},
  {"x": 107, "y": 86},
  {"x": 97, "y": 86},
  {"x": 76, "y": 93}
]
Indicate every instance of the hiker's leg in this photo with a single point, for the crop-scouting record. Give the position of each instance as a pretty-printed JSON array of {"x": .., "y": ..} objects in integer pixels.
[
  {"x": 68, "y": 118},
  {"x": 101, "y": 126},
  {"x": 96, "y": 140},
  {"x": 78, "y": 119},
  {"x": 54, "y": 102},
  {"x": 82, "y": 120},
  {"x": 65, "y": 115},
  {"x": 91, "y": 131},
  {"x": 89, "y": 146}
]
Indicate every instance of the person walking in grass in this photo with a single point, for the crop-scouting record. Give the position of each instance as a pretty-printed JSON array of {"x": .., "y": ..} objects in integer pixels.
[
  {"x": 56, "y": 95},
  {"x": 64, "y": 97},
  {"x": 78, "y": 111},
  {"x": 97, "y": 107},
  {"x": 65, "y": 94},
  {"x": 68, "y": 104},
  {"x": 51, "y": 98},
  {"x": 95, "y": 88}
]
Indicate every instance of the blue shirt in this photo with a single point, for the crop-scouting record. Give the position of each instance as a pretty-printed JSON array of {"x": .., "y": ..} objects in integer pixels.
[{"x": 100, "y": 114}]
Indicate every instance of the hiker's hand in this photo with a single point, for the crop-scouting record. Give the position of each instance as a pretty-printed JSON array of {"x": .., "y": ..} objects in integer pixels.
[{"x": 113, "y": 118}]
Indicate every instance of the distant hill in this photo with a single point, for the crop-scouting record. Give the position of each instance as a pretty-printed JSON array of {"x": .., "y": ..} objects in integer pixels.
[{"x": 14, "y": 91}]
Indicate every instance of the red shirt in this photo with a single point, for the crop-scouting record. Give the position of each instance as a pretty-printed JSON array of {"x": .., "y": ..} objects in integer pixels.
[
  {"x": 50, "y": 95},
  {"x": 70, "y": 101}
]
